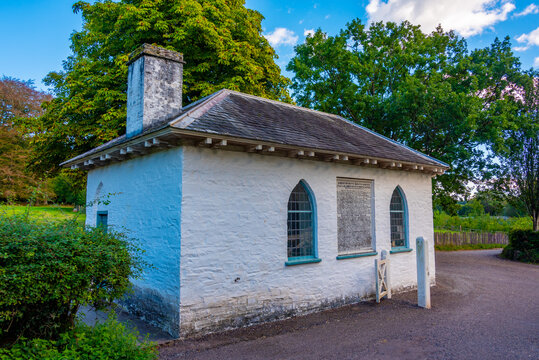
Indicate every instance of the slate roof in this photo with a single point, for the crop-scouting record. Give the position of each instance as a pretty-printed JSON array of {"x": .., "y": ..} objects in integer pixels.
[{"x": 239, "y": 115}]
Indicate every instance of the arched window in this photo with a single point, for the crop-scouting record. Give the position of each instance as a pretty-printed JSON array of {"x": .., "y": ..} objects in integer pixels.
[
  {"x": 398, "y": 218},
  {"x": 301, "y": 224}
]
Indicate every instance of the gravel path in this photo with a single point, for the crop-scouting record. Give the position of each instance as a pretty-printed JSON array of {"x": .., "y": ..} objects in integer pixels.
[{"x": 483, "y": 307}]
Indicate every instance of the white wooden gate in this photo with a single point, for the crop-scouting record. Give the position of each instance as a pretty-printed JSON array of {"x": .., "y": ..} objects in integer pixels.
[{"x": 383, "y": 286}]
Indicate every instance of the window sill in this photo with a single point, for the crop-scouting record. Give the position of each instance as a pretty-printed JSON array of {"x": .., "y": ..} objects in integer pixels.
[
  {"x": 402, "y": 250},
  {"x": 302, "y": 261},
  {"x": 351, "y": 256}
]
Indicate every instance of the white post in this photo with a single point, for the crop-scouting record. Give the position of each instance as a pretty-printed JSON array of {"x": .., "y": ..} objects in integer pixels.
[{"x": 423, "y": 280}]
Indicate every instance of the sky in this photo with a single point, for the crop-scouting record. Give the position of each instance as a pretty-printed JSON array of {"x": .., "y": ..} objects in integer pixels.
[{"x": 34, "y": 34}]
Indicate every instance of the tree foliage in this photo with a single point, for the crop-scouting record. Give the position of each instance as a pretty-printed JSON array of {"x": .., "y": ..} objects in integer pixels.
[
  {"x": 223, "y": 46},
  {"x": 19, "y": 99},
  {"x": 524, "y": 169},
  {"x": 519, "y": 173},
  {"x": 15, "y": 182},
  {"x": 20, "y": 103},
  {"x": 424, "y": 90},
  {"x": 69, "y": 188}
]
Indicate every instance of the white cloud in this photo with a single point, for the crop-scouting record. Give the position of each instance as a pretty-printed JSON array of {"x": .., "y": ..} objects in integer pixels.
[
  {"x": 308, "y": 32},
  {"x": 282, "y": 36},
  {"x": 301, "y": 21},
  {"x": 327, "y": 16},
  {"x": 521, "y": 48},
  {"x": 530, "y": 9},
  {"x": 467, "y": 17},
  {"x": 529, "y": 40},
  {"x": 536, "y": 62}
]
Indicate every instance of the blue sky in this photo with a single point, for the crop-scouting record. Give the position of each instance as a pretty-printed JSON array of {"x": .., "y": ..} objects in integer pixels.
[{"x": 35, "y": 33}]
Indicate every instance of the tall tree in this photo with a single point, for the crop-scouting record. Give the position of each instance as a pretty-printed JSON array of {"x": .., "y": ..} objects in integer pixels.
[
  {"x": 524, "y": 171},
  {"x": 520, "y": 151},
  {"x": 20, "y": 103},
  {"x": 223, "y": 46},
  {"x": 19, "y": 99},
  {"x": 424, "y": 90}
]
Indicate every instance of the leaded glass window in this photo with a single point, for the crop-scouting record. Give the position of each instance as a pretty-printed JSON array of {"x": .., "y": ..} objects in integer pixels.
[
  {"x": 397, "y": 213},
  {"x": 300, "y": 224}
]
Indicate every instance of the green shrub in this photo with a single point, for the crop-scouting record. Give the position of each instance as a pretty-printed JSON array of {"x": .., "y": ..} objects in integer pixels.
[
  {"x": 484, "y": 223},
  {"x": 523, "y": 246},
  {"x": 48, "y": 270},
  {"x": 108, "y": 340}
]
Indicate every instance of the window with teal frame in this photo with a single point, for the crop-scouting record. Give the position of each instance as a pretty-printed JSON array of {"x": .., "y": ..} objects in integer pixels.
[
  {"x": 102, "y": 220},
  {"x": 301, "y": 226},
  {"x": 398, "y": 219}
]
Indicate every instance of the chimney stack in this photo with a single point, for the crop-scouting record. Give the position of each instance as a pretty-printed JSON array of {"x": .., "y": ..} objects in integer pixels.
[{"x": 154, "y": 87}]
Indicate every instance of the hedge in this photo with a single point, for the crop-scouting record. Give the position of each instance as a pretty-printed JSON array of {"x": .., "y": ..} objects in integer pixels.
[
  {"x": 523, "y": 246},
  {"x": 49, "y": 270}
]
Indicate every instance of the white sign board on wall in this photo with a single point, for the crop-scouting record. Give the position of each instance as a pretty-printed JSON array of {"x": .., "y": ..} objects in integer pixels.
[{"x": 354, "y": 215}]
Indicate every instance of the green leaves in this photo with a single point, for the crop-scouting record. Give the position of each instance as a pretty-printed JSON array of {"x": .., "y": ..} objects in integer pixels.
[
  {"x": 221, "y": 41},
  {"x": 423, "y": 90},
  {"x": 50, "y": 269},
  {"x": 108, "y": 340}
]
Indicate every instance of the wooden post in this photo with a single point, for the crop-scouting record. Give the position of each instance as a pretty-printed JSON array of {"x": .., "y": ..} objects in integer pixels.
[
  {"x": 383, "y": 284},
  {"x": 385, "y": 256},
  {"x": 423, "y": 280}
]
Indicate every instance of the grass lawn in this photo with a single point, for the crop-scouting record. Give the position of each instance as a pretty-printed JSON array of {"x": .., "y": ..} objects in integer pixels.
[{"x": 44, "y": 213}]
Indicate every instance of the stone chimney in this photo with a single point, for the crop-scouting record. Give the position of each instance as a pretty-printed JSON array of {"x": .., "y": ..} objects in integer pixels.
[{"x": 154, "y": 87}]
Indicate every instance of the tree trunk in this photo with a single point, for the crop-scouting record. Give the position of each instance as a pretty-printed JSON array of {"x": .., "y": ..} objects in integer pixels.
[{"x": 536, "y": 222}]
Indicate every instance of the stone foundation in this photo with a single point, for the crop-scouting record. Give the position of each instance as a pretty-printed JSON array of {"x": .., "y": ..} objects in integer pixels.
[{"x": 150, "y": 306}]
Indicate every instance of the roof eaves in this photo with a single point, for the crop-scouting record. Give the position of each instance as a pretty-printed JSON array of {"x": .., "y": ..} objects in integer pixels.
[
  {"x": 112, "y": 144},
  {"x": 290, "y": 146}
]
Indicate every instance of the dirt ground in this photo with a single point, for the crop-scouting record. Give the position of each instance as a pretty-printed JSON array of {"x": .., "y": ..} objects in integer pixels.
[{"x": 483, "y": 307}]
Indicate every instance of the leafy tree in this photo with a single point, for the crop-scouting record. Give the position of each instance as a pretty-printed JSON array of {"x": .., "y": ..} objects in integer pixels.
[
  {"x": 525, "y": 174},
  {"x": 15, "y": 182},
  {"x": 492, "y": 202},
  {"x": 69, "y": 189},
  {"x": 472, "y": 208},
  {"x": 223, "y": 46},
  {"x": 424, "y": 90},
  {"x": 520, "y": 156},
  {"x": 19, "y": 99},
  {"x": 19, "y": 102}
]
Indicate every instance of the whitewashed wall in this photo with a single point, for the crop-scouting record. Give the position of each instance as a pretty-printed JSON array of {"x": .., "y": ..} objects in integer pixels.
[
  {"x": 234, "y": 238},
  {"x": 145, "y": 203}
]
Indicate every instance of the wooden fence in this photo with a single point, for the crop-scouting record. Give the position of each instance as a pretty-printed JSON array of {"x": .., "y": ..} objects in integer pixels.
[{"x": 463, "y": 238}]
